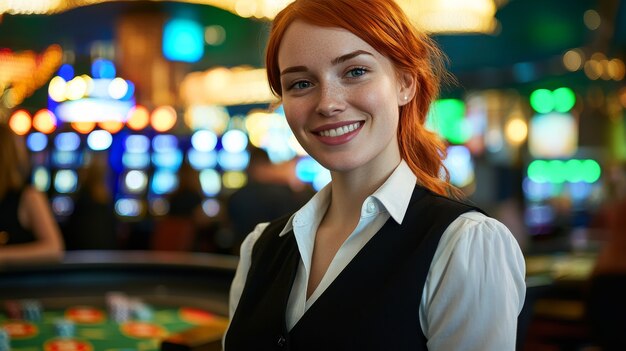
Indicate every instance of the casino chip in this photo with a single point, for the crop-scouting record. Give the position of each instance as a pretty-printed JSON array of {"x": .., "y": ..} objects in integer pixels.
[
  {"x": 31, "y": 310},
  {"x": 64, "y": 328},
  {"x": 5, "y": 340}
]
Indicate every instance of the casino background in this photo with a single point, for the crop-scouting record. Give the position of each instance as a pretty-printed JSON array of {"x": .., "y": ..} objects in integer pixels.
[{"x": 137, "y": 90}]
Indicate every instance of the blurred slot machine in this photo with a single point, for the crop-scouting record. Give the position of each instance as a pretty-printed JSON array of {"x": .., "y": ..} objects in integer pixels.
[{"x": 563, "y": 178}]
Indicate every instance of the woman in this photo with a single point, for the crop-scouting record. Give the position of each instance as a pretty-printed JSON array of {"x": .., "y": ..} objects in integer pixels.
[
  {"x": 28, "y": 231},
  {"x": 382, "y": 258}
]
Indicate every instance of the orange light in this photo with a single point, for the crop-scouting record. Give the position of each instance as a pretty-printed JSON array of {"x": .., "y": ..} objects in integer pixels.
[
  {"x": 138, "y": 118},
  {"x": 45, "y": 121},
  {"x": 163, "y": 118},
  {"x": 83, "y": 127},
  {"x": 111, "y": 126},
  {"x": 20, "y": 122}
]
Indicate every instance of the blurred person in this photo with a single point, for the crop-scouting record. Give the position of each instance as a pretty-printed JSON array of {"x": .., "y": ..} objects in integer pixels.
[
  {"x": 178, "y": 229},
  {"x": 386, "y": 256},
  {"x": 29, "y": 232},
  {"x": 272, "y": 191},
  {"x": 93, "y": 225},
  {"x": 606, "y": 290}
]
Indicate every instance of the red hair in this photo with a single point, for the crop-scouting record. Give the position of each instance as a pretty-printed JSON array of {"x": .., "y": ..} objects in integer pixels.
[{"x": 385, "y": 27}]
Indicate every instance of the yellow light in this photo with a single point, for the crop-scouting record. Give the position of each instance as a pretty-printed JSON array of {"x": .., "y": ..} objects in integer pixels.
[
  {"x": 76, "y": 88},
  {"x": 163, "y": 118},
  {"x": 453, "y": 16},
  {"x": 83, "y": 127},
  {"x": 20, "y": 122},
  {"x": 45, "y": 121},
  {"x": 88, "y": 83},
  {"x": 57, "y": 89},
  {"x": 616, "y": 69},
  {"x": 234, "y": 179},
  {"x": 226, "y": 87},
  {"x": 138, "y": 118},
  {"x": 516, "y": 131},
  {"x": 593, "y": 69},
  {"x": 214, "y": 35},
  {"x": 592, "y": 19},
  {"x": 573, "y": 60},
  {"x": 111, "y": 126}
]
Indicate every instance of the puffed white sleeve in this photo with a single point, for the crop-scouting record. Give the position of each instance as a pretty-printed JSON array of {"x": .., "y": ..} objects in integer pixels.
[
  {"x": 475, "y": 288},
  {"x": 245, "y": 256},
  {"x": 239, "y": 281}
]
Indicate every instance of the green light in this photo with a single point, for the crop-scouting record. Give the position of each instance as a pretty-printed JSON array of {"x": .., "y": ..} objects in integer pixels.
[
  {"x": 573, "y": 171},
  {"x": 564, "y": 99},
  {"x": 450, "y": 120},
  {"x": 537, "y": 171},
  {"x": 557, "y": 172},
  {"x": 542, "y": 100},
  {"x": 590, "y": 171}
]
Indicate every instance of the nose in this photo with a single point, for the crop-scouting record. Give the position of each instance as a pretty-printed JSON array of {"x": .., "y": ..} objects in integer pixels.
[{"x": 331, "y": 100}]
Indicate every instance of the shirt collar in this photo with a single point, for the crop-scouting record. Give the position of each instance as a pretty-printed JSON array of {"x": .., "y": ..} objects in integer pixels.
[
  {"x": 316, "y": 205},
  {"x": 394, "y": 195}
]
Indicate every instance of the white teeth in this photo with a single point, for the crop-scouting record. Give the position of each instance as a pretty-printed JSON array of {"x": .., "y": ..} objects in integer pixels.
[{"x": 339, "y": 131}]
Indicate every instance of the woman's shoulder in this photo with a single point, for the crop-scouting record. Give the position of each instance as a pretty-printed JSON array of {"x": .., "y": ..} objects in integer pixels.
[
  {"x": 476, "y": 232},
  {"x": 30, "y": 193}
]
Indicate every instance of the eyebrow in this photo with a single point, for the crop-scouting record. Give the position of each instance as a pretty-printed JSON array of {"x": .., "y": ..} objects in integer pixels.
[
  {"x": 349, "y": 56},
  {"x": 335, "y": 61}
]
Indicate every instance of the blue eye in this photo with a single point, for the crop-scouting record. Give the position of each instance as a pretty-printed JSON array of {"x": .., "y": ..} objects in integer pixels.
[
  {"x": 303, "y": 84},
  {"x": 356, "y": 72}
]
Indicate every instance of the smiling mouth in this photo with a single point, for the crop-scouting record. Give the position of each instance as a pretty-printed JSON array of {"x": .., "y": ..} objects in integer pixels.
[{"x": 335, "y": 132}]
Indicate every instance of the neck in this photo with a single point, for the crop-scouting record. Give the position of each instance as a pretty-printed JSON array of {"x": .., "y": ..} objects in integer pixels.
[{"x": 350, "y": 189}]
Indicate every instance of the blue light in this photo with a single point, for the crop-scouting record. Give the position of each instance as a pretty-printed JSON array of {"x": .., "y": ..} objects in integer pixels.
[
  {"x": 134, "y": 160},
  {"x": 128, "y": 207},
  {"x": 168, "y": 160},
  {"x": 65, "y": 181},
  {"x": 211, "y": 182},
  {"x": 65, "y": 158},
  {"x": 99, "y": 140},
  {"x": 202, "y": 160},
  {"x": 101, "y": 68},
  {"x": 62, "y": 205},
  {"x": 164, "y": 143},
  {"x": 307, "y": 169},
  {"x": 204, "y": 140},
  {"x": 68, "y": 141},
  {"x": 183, "y": 40},
  {"x": 66, "y": 72},
  {"x": 130, "y": 92},
  {"x": 137, "y": 144},
  {"x": 163, "y": 182},
  {"x": 233, "y": 161},
  {"x": 234, "y": 141},
  {"x": 37, "y": 142}
]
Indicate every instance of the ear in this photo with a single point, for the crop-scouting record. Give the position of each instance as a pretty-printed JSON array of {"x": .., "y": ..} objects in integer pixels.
[{"x": 406, "y": 88}]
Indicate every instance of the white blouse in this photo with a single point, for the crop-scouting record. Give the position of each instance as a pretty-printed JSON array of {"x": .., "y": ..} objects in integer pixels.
[{"x": 475, "y": 288}]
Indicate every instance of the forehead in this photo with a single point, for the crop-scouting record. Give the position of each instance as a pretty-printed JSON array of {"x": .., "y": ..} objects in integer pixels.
[{"x": 307, "y": 42}]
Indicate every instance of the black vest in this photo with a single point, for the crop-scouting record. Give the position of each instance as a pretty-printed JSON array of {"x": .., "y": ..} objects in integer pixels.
[{"x": 373, "y": 304}]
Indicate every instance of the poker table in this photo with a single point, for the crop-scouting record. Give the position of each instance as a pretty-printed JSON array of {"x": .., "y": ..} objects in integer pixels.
[{"x": 187, "y": 294}]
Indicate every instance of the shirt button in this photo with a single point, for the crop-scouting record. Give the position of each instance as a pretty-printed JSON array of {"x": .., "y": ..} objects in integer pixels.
[
  {"x": 281, "y": 341},
  {"x": 371, "y": 207}
]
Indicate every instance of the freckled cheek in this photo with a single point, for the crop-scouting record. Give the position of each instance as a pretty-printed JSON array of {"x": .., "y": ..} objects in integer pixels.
[
  {"x": 372, "y": 100},
  {"x": 296, "y": 116}
]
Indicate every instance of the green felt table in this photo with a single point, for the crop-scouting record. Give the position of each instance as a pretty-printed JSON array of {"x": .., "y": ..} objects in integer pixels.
[{"x": 96, "y": 331}]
